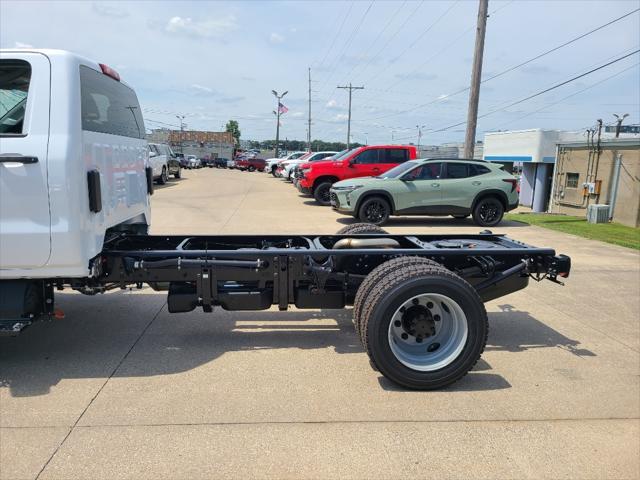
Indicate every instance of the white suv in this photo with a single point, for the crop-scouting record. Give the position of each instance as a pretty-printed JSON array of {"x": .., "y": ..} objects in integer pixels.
[
  {"x": 271, "y": 164},
  {"x": 159, "y": 161}
]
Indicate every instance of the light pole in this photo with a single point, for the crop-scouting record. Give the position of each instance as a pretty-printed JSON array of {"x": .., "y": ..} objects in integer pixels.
[
  {"x": 277, "y": 112},
  {"x": 181, "y": 118}
]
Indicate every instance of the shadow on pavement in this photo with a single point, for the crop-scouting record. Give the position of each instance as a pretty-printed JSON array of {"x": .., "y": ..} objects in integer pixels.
[
  {"x": 433, "y": 222},
  {"x": 99, "y": 332}
]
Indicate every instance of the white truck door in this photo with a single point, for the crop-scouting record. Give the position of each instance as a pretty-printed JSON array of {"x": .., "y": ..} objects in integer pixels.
[{"x": 25, "y": 222}]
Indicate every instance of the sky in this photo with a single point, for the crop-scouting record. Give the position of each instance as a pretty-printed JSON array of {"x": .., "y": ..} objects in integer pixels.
[{"x": 215, "y": 61}]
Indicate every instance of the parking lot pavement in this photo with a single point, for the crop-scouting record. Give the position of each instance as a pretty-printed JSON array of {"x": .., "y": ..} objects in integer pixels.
[{"x": 122, "y": 389}]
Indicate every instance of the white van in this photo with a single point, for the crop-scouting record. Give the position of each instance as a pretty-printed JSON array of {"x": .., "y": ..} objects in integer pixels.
[{"x": 73, "y": 166}]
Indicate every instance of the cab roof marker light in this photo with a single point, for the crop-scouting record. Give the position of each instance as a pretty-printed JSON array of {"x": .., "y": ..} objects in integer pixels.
[{"x": 110, "y": 72}]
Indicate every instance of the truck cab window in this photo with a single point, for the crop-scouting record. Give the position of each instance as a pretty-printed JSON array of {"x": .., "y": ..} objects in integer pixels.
[
  {"x": 15, "y": 76},
  {"x": 366, "y": 157}
]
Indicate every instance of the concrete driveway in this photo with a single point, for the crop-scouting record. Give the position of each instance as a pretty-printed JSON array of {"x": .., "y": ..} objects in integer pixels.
[{"x": 122, "y": 389}]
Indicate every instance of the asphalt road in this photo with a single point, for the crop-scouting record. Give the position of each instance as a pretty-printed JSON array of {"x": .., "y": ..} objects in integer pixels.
[{"x": 122, "y": 389}]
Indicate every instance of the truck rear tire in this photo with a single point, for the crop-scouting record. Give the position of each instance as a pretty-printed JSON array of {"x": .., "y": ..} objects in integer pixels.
[
  {"x": 360, "y": 228},
  {"x": 375, "y": 276},
  {"x": 178, "y": 173},
  {"x": 321, "y": 193},
  {"x": 423, "y": 326}
]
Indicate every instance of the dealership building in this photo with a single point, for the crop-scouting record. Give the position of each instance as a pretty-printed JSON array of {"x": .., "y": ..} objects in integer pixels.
[{"x": 202, "y": 144}]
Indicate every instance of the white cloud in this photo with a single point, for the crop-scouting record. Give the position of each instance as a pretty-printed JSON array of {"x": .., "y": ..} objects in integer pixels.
[
  {"x": 297, "y": 114},
  {"x": 109, "y": 10},
  {"x": 276, "y": 38},
  {"x": 341, "y": 117},
  {"x": 22, "y": 45},
  {"x": 201, "y": 88},
  {"x": 331, "y": 104},
  {"x": 443, "y": 97},
  {"x": 204, "y": 28}
]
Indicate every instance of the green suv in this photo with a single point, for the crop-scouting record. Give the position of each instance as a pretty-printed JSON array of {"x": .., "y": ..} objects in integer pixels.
[{"x": 437, "y": 187}]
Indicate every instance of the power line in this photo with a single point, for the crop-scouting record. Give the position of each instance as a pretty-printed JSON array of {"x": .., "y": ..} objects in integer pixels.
[
  {"x": 347, "y": 44},
  {"x": 542, "y": 92},
  {"x": 510, "y": 69},
  {"x": 378, "y": 38},
  {"x": 573, "y": 40},
  {"x": 441, "y": 51},
  {"x": 335, "y": 37},
  {"x": 565, "y": 98}
]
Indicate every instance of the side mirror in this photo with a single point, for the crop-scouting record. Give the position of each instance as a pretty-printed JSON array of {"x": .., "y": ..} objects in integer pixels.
[
  {"x": 152, "y": 154},
  {"x": 406, "y": 179},
  {"x": 351, "y": 162}
]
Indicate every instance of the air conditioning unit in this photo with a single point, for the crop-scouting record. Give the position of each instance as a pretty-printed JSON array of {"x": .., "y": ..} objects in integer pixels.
[{"x": 598, "y": 213}]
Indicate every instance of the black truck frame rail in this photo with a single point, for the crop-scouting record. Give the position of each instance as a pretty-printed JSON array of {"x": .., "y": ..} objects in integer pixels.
[
  {"x": 417, "y": 299},
  {"x": 248, "y": 272}
]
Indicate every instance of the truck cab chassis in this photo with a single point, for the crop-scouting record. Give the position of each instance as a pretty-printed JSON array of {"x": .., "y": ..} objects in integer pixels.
[{"x": 417, "y": 299}]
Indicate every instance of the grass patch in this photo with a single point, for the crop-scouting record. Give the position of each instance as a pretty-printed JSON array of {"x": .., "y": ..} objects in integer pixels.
[{"x": 606, "y": 232}]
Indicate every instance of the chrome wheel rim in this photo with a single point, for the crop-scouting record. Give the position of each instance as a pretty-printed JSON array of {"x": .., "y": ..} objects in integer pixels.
[{"x": 428, "y": 332}]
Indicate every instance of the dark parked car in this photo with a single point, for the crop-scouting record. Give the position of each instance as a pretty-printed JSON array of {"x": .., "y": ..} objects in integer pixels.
[
  {"x": 221, "y": 162},
  {"x": 208, "y": 162},
  {"x": 182, "y": 160}
]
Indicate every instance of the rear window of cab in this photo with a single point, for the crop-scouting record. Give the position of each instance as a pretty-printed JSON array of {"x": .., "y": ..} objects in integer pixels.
[{"x": 109, "y": 106}]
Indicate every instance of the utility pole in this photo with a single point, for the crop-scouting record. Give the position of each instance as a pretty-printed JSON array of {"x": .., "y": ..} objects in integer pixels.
[
  {"x": 181, "y": 118},
  {"x": 419, "y": 127},
  {"x": 309, "y": 127},
  {"x": 351, "y": 88},
  {"x": 277, "y": 114},
  {"x": 476, "y": 74},
  {"x": 619, "y": 119}
]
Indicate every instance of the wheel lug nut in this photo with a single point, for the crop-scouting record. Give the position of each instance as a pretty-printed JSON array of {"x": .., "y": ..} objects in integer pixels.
[
  {"x": 397, "y": 323},
  {"x": 419, "y": 339},
  {"x": 436, "y": 318},
  {"x": 429, "y": 304},
  {"x": 404, "y": 336},
  {"x": 416, "y": 301}
]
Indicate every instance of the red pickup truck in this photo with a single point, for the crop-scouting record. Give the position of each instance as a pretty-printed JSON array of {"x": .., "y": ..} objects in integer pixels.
[{"x": 316, "y": 178}]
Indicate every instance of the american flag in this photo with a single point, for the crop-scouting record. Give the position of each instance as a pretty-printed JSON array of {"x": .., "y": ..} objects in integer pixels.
[{"x": 282, "y": 108}]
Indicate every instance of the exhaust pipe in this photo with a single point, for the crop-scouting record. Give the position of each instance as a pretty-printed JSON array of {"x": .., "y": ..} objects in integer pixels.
[{"x": 348, "y": 243}]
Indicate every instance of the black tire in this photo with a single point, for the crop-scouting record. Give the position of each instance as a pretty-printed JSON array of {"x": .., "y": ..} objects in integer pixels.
[
  {"x": 273, "y": 170},
  {"x": 460, "y": 217},
  {"x": 375, "y": 276},
  {"x": 163, "y": 176},
  {"x": 322, "y": 193},
  {"x": 374, "y": 210},
  {"x": 178, "y": 174},
  {"x": 360, "y": 228},
  {"x": 488, "y": 212},
  {"x": 402, "y": 284},
  {"x": 251, "y": 168}
]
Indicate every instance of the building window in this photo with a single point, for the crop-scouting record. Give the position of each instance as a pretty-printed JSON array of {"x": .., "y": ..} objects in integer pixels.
[{"x": 572, "y": 180}]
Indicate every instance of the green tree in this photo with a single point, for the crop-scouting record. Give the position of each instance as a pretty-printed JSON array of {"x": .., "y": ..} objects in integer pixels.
[{"x": 233, "y": 127}]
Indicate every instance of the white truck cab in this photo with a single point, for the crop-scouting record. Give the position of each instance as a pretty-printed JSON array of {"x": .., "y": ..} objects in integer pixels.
[{"x": 73, "y": 164}]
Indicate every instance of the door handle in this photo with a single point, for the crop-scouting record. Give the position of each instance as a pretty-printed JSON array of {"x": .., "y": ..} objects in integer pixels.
[
  {"x": 17, "y": 158},
  {"x": 476, "y": 183},
  {"x": 435, "y": 184}
]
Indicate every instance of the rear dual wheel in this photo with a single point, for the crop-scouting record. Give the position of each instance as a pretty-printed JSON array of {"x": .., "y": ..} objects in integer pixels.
[{"x": 423, "y": 326}]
